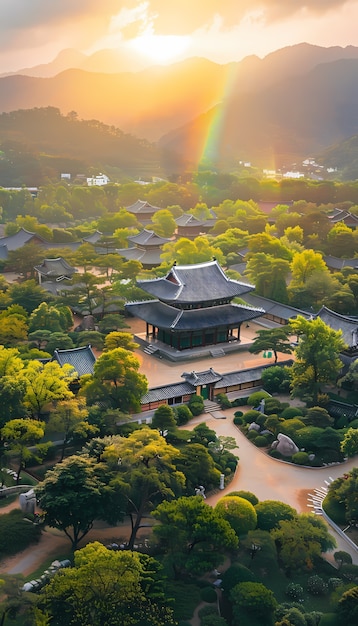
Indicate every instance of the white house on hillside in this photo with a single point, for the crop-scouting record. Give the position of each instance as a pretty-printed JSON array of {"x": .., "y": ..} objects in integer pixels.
[{"x": 99, "y": 180}]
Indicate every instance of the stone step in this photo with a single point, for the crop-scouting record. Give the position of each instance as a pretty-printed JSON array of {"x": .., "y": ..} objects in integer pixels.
[
  {"x": 210, "y": 406},
  {"x": 150, "y": 349},
  {"x": 217, "y": 352}
]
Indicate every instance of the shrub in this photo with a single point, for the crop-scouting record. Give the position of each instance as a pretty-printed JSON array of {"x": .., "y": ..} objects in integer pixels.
[
  {"x": 16, "y": 533},
  {"x": 238, "y": 420},
  {"x": 196, "y": 405},
  {"x": 247, "y": 495},
  {"x": 275, "y": 454},
  {"x": 333, "y": 583},
  {"x": 271, "y": 512},
  {"x": 294, "y": 591},
  {"x": 300, "y": 458},
  {"x": 183, "y": 414},
  {"x": 223, "y": 400},
  {"x": 235, "y": 574},
  {"x": 207, "y": 610},
  {"x": 239, "y": 512},
  {"x": 255, "y": 398},
  {"x": 252, "y": 434},
  {"x": 273, "y": 405},
  {"x": 240, "y": 402},
  {"x": 290, "y": 412},
  {"x": 260, "y": 441},
  {"x": 316, "y": 586},
  {"x": 238, "y": 414},
  {"x": 208, "y": 594},
  {"x": 250, "y": 416}
]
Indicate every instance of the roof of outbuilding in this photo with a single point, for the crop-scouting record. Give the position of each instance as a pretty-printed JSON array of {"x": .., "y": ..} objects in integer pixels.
[
  {"x": 201, "y": 378},
  {"x": 148, "y": 238},
  {"x": 141, "y": 207},
  {"x": 168, "y": 317},
  {"x": 23, "y": 236},
  {"x": 275, "y": 308},
  {"x": 55, "y": 267},
  {"x": 82, "y": 359},
  {"x": 146, "y": 257},
  {"x": 348, "y": 325},
  {"x": 168, "y": 391},
  {"x": 200, "y": 282}
]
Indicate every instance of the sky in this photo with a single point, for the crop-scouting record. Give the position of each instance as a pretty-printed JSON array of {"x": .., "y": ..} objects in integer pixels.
[{"x": 166, "y": 31}]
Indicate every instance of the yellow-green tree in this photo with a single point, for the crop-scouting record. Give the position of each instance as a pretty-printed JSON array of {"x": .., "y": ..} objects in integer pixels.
[
  {"x": 46, "y": 383},
  {"x": 19, "y": 435},
  {"x": 317, "y": 357}
]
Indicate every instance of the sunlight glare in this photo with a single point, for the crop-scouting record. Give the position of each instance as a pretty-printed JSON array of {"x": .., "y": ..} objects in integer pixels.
[{"x": 161, "y": 49}]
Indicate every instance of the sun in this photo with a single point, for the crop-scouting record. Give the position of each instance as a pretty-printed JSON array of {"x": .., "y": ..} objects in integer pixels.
[{"x": 162, "y": 49}]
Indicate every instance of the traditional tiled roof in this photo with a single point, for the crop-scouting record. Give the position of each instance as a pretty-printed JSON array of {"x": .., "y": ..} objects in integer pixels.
[
  {"x": 340, "y": 215},
  {"x": 168, "y": 391},
  {"x": 3, "y": 251},
  {"x": 275, "y": 308},
  {"x": 94, "y": 237},
  {"x": 201, "y": 282},
  {"x": 245, "y": 376},
  {"x": 146, "y": 257},
  {"x": 142, "y": 207},
  {"x": 82, "y": 359},
  {"x": 23, "y": 236},
  {"x": 188, "y": 220},
  {"x": 72, "y": 245},
  {"x": 335, "y": 263},
  {"x": 167, "y": 317},
  {"x": 148, "y": 238},
  {"x": 348, "y": 325},
  {"x": 55, "y": 268},
  {"x": 206, "y": 377}
]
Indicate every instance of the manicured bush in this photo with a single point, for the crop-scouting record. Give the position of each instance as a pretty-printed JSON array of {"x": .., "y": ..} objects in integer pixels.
[
  {"x": 294, "y": 591},
  {"x": 208, "y": 594},
  {"x": 271, "y": 512},
  {"x": 183, "y": 414},
  {"x": 252, "y": 434},
  {"x": 196, "y": 405},
  {"x": 275, "y": 454},
  {"x": 291, "y": 411},
  {"x": 316, "y": 586},
  {"x": 240, "y": 513},
  {"x": 273, "y": 405},
  {"x": 291, "y": 426},
  {"x": 240, "y": 402},
  {"x": 250, "y": 416},
  {"x": 260, "y": 441},
  {"x": 223, "y": 400},
  {"x": 255, "y": 398},
  {"x": 235, "y": 574},
  {"x": 238, "y": 414},
  {"x": 247, "y": 495},
  {"x": 238, "y": 420},
  {"x": 300, "y": 458}
]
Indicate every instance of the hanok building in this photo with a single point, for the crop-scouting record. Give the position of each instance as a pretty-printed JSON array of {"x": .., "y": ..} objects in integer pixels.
[
  {"x": 146, "y": 247},
  {"x": 54, "y": 270},
  {"x": 349, "y": 327},
  {"x": 192, "y": 307},
  {"x": 190, "y": 227},
  {"x": 143, "y": 211}
]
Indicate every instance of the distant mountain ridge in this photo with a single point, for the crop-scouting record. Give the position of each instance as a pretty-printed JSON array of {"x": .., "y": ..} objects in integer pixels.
[{"x": 295, "y": 102}]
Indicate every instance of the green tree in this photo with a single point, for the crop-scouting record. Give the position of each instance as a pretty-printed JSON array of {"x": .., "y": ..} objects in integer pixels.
[
  {"x": 318, "y": 416},
  {"x": 72, "y": 496},
  {"x": 13, "y": 330},
  {"x": 28, "y": 294},
  {"x": 145, "y": 472},
  {"x": 317, "y": 357},
  {"x": 19, "y": 435},
  {"x": 164, "y": 223},
  {"x": 304, "y": 264},
  {"x": 269, "y": 275},
  {"x": 275, "y": 339},
  {"x": 198, "y": 466},
  {"x": 240, "y": 513},
  {"x": 271, "y": 512},
  {"x": 300, "y": 540},
  {"x": 276, "y": 378},
  {"x": 23, "y": 260},
  {"x": 349, "y": 445},
  {"x": 70, "y": 419},
  {"x": 347, "y": 609},
  {"x": 107, "y": 587},
  {"x": 116, "y": 381},
  {"x": 254, "y": 600},
  {"x": 164, "y": 419},
  {"x": 192, "y": 534},
  {"x": 47, "y": 317},
  {"x": 344, "y": 490}
]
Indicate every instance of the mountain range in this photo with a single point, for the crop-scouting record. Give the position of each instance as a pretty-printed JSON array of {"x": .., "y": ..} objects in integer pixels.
[{"x": 294, "y": 103}]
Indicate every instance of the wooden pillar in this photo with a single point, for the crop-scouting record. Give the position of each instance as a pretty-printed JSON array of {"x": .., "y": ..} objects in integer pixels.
[{"x": 238, "y": 332}]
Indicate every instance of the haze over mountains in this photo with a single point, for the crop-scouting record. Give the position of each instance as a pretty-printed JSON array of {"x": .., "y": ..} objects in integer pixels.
[{"x": 294, "y": 103}]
